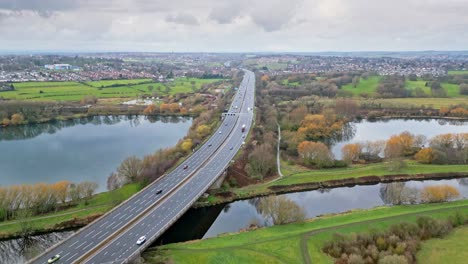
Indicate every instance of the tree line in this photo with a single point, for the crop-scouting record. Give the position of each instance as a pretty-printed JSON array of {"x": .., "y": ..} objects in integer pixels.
[{"x": 43, "y": 198}]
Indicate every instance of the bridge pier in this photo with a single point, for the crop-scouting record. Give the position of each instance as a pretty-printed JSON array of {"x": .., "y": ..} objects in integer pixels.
[{"x": 217, "y": 184}]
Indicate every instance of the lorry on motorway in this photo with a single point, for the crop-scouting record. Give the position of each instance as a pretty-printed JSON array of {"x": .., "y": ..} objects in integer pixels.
[{"x": 243, "y": 128}]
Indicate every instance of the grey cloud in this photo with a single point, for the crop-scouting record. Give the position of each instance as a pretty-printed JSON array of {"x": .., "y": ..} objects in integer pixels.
[
  {"x": 39, "y": 5},
  {"x": 183, "y": 19},
  {"x": 271, "y": 15}
]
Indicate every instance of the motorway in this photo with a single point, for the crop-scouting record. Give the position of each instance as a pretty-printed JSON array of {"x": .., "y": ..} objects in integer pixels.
[{"x": 112, "y": 238}]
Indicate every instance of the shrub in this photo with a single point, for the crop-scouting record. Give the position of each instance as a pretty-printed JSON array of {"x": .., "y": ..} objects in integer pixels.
[{"x": 393, "y": 259}]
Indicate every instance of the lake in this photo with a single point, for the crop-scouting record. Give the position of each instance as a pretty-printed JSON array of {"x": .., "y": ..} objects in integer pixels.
[
  {"x": 364, "y": 130},
  {"x": 85, "y": 149}
]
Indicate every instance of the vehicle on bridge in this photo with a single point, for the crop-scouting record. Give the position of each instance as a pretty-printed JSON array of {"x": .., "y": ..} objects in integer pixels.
[
  {"x": 53, "y": 258},
  {"x": 141, "y": 240},
  {"x": 243, "y": 128}
]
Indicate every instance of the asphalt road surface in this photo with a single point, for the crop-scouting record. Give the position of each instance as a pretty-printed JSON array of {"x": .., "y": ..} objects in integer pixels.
[{"x": 112, "y": 238}]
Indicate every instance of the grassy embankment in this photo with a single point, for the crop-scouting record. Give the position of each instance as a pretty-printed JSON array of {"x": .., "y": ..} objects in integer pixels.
[
  {"x": 451, "y": 249},
  {"x": 74, "y": 91},
  {"x": 99, "y": 204},
  {"x": 297, "y": 175},
  {"x": 294, "y": 243}
]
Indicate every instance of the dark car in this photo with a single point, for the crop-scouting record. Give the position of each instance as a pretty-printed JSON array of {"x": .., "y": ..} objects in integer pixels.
[
  {"x": 209, "y": 145},
  {"x": 158, "y": 191}
]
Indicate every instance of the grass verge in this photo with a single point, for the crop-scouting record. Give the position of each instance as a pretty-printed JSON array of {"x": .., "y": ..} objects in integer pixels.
[
  {"x": 283, "y": 244},
  {"x": 451, "y": 249}
]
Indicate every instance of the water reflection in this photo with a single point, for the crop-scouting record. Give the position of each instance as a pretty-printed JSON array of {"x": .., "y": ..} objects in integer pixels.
[
  {"x": 364, "y": 130},
  {"x": 82, "y": 149},
  {"x": 19, "y": 250},
  {"x": 33, "y": 130},
  {"x": 241, "y": 214}
]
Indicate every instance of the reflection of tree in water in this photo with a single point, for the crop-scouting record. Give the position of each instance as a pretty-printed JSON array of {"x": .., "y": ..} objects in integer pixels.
[
  {"x": 226, "y": 208},
  {"x": 34, "y": 130},
  {"x": 324, "y": 190},
  {"x": 463, "y": 181},
  {"x": 20, "y": 250},
  {"x": 347, "y": 133},
  {"x": 397, "y": 193},
  {"x": 278, "y": 210}
]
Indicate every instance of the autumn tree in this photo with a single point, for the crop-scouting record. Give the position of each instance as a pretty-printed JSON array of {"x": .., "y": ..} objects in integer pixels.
[
  {"x": 425, "y": 155},
  {"x": 61, "y": 190},
  {"x": 404, "y": 144},
  {"x": 203, "y": 131},
  {"x": 6, "y": 121},
  {"x": 315, "y": 127},
  {"x": 150, "y": 109},
  {"x": 280, "y": 210},
  {"x": 186, "y": 145},
  {"x": 315, "y": 153},
  {"x": 351, "y": 152},
  {"x": 439, "y": 193},
  {"x": 17, "y": 119},
  {"x": 130, "y": 168}
]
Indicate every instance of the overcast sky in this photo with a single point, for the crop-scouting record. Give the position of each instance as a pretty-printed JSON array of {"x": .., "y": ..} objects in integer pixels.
[{"x": 233, "y": 25}]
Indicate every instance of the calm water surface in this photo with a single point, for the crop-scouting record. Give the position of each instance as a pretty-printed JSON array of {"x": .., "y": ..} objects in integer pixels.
[
  {"x": 87, "y": 149},
  {"x": 384, "y": 129},
  {"x": 240, "y": 214}
]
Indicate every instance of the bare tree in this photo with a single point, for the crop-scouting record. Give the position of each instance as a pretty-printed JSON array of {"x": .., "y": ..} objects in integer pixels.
[{"x": 131, "y": 168}]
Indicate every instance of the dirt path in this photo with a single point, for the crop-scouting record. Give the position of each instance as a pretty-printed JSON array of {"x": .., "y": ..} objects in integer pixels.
[{"x": 305, "y": 236}]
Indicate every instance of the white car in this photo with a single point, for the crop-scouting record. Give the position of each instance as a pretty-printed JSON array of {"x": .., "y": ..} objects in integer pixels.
[
  {"x": 53, "y": 259},
  {"x": 141, "y": 240}
]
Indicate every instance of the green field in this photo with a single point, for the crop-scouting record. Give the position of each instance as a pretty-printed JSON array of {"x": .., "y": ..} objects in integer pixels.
[
  {"x": 75, "y": 91},
  {"x": 405, "y": 103},
  {"x": 295, "y": 243},
  {"x": 99, "y": 204},
  {"x": 453, "y": 90},
  {"x": 451, "y": 249},
  {"x": 107, "y": 83},
  {"x": 367, "y": 86},
  {"x": 457, "y": 72}
]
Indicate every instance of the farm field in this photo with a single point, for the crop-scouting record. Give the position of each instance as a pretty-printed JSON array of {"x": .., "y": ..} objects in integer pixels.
[
  {"x": 295, "y": 243},
  {"x": 75, "y": 91},
  {"x": 453, "y": 90},
  {"x": 457, "y": 72},
  {"x": 367, "y": 86}
]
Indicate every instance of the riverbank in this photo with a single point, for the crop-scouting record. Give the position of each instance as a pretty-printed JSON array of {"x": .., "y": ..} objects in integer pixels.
[
  {"x": 300, "y": 179},
  {"x": 295, "y": 243}
]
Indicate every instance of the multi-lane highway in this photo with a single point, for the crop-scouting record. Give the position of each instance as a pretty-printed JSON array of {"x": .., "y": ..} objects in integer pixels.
[{"x": 112, "y": 238}]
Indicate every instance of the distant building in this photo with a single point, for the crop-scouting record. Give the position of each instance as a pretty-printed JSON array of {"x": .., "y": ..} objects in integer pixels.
[{"x": 60, "y": 67}]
